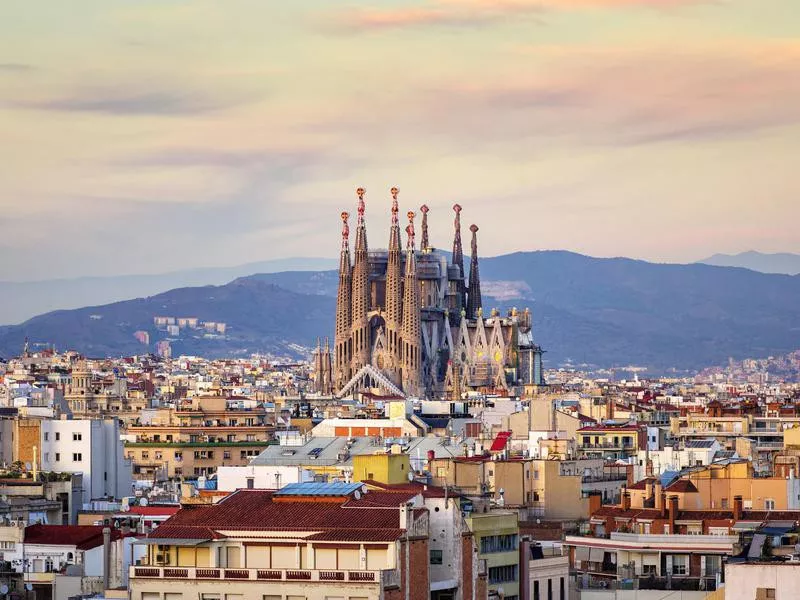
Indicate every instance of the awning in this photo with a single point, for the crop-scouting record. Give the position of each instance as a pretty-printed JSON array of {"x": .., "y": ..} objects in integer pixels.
[
  {"x": 650, "y": 559},
  {"x": 172, "y": 541},
  {"x": 581, "y": 553},
  {"x": 746, "y": 525},
  {"x": 596, "y": 555},
  {"x": 756, "y": 546},
  {"x": 777, "y": 527},
  {"x": 446, "y": 584}
]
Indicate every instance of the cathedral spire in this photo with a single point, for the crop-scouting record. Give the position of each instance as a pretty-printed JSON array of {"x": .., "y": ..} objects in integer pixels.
[
  {"x": 424, "y": 242},
  {"x": 474, "y": 304},
  {"x": 341, "y": 342},
  {"x": 360, "y": 337},
  {"x": 411, "y": 331},
  {"x": 394, "y": 294},
  {"x": 458, "y": 261}
]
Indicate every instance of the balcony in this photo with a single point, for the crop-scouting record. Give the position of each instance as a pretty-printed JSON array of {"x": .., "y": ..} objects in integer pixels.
[
  {"x": 604, "y": 476},
  {"x": 608, "y": 446},
  {"x": 386, "y": 577}
]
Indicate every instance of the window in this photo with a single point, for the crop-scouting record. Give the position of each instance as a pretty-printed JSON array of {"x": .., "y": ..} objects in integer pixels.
[
  {"x": 145, "y": 455},
  {"x": 723, "y": 503},
  {"x": 499, "y": 543},
  {"x": 251, "y": 483},
  {"x": 77, "y": 457},
  {"x": 713, "y": 565},
  {"x": 226, "y": 454},
  {"x": 436, "y": 557},
  {"x": 58, "y": 435},
  {"x": 503, "y": 574},
  {"x": 77, "y": 437},
  {"x": 561, "y": 593},
  {"x": 536, "y": 590},
  {"x": 549, "y": 589},
  {"x": 58, "y": 456},
  {"x": 680, "y": 564},
  {"x": 46, "y": 436},
  {"x": 769, "y": 504},
  {"x": 7, "y": 545},
  {"x": 765, "y": 593},
  {"x": 648, "y": 569}
]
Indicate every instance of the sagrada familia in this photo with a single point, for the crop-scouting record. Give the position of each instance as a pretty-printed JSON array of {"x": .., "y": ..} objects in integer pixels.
[{"x": 410, "y": 324}]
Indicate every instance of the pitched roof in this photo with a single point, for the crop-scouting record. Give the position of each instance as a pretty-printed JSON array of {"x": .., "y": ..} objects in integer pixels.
[
  {"x": 681, "y": 485},
  {"x": 257, "y": 510},
  {"x": 83, "y": 537}
]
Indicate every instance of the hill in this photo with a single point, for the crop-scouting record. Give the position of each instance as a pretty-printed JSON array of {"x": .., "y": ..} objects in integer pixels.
[
  {"x": 604, "y": 312},
  {"x": 21, "y": 300},
  {"x": 784, "y": 263},
  {"x": 260, "y": 317}
]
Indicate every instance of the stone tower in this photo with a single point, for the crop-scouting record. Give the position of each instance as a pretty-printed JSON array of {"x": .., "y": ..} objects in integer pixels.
[
  {"x": 360, "y": 335},
  {"x": 341, "y": 342},
  {"x": 411, "y": 331},
  {"x": 394, "y": 296},
  {"x": 458, "y": 261},
  {"x": 474, "y": 303}
]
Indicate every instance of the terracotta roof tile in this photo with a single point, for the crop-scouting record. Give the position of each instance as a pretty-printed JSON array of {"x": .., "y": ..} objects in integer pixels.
[{"x": 256, "y": 510}]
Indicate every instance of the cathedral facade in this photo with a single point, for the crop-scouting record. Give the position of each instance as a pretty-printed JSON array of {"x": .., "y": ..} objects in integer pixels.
[{"x": 410, "y": 322}]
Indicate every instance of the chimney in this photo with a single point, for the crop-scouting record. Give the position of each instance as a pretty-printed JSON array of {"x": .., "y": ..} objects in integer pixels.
[
  {"x": 737, "y": 507},
  {"x": 609, "y": 409},
  {"x": 106, "y": 557},
  {"x": 626, "y": 500},
  {"x": 658, "y": 492},
  {"x": 406, "y": 516},
  {"x": 673, "y": 513}
]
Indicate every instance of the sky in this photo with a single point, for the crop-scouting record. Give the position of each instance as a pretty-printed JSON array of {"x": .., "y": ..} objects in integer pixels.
[{"x": 149, "y": 136}]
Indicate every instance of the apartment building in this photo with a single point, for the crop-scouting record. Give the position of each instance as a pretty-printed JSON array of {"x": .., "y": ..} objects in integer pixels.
[
  {"x": 196, "y": 439},
  {"x": 91, "y": 447},
  {"x": 497, "y": 539},
  {"x": 611, "y": 441},
  {"x": 306, "y": 541}
]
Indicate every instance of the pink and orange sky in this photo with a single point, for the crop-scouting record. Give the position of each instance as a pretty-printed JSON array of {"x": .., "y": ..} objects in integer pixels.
[{"x": 147, "y": 136}]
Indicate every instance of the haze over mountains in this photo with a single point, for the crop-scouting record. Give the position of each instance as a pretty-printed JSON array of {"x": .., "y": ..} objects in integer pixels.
[
  {"x": 783, "y": 262},
  {"x": 604, "y": 312},
  {"x": 21, "y": 300}
]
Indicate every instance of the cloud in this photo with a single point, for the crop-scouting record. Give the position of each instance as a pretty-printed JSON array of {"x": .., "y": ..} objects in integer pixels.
[
  {"x": 585, "y": 96},
  {"x": 473, "y": 13},
  {"x": 165, "y": 102},
  {"x": 10, "y": 67}
]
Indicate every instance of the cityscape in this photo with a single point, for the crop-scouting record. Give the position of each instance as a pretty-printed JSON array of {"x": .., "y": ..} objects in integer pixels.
[{"x": 408, "y": 300}]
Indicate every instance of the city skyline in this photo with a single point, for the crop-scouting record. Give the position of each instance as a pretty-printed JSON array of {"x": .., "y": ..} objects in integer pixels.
[{"x": 166, "y": 135}]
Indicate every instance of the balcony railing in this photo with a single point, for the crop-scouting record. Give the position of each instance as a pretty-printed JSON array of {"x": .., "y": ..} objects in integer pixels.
[{"x": 387, "y": 577}]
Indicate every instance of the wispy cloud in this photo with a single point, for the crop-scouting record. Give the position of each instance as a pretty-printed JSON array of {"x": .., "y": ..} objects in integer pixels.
[
  {"x": 10, "y": 67},
  {"x": 132, "y": 102},
  {"x": 472, "y": 13}
]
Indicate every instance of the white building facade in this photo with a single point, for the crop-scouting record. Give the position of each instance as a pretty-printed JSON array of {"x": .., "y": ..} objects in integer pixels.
[{"x": 92, "y": 447}]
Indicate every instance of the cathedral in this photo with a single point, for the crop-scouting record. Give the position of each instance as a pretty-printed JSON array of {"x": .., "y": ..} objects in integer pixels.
[{"x": 410, "y": 323}]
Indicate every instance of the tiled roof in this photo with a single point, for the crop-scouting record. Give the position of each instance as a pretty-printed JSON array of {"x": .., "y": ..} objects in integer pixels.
[
  {"x": 427, "y": 491},
  {"x": 681, "y": 485},
  {"x": 154, "y": 511},
  {"x": 256, "y": 510},
  {"x": 83, "y": 537}
]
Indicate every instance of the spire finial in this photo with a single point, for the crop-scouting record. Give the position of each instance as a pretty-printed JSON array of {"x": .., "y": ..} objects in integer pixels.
[
  {"x": 345, "y": 229},
  {"x": 410, "y": 229},
  {"x": 361, "y": 208},
  {"x": 395, "y": 208}
]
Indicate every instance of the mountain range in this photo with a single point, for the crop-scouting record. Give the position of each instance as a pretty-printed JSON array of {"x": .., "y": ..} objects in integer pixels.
[
  {"x": 599, "y": 311},
  {"x": 21, "y": 300},
  {"x": 783, "y": 262}
]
